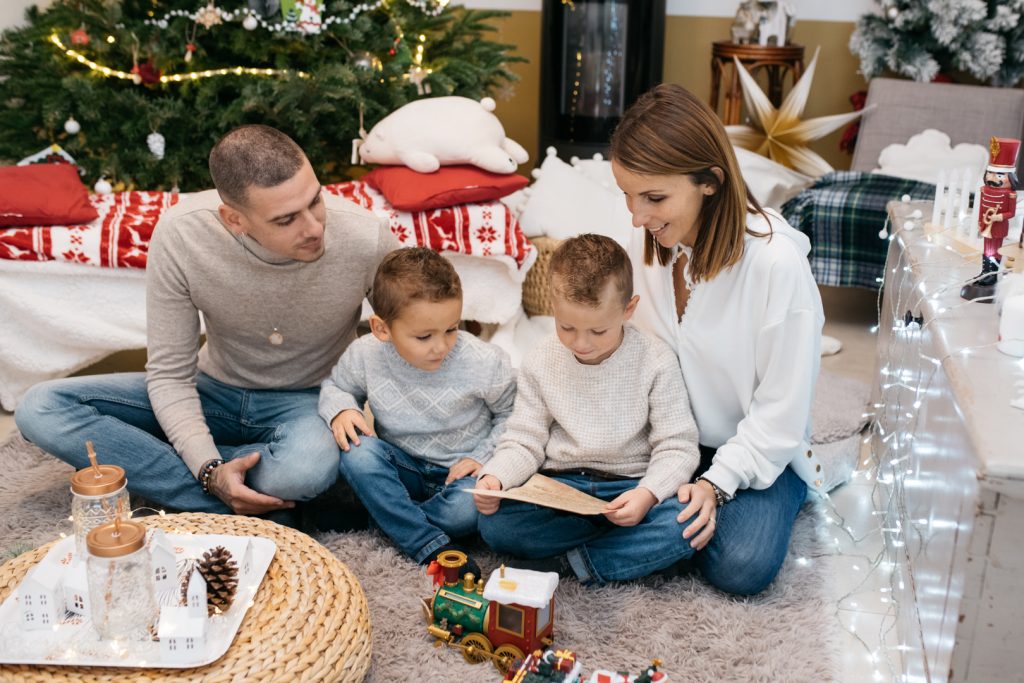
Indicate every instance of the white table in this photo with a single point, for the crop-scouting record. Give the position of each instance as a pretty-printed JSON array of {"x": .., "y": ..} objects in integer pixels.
[{"x": 956, "y": 448}]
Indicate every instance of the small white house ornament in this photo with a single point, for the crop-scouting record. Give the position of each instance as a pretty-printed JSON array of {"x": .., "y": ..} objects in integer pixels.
[
  {"x": 75, "y": 588},
  {"x": 182, "y": 635},
  {"x": 41, "y": 598},
  {"x": 164, "y": 561},
  {"x": 195, "y": 594}
]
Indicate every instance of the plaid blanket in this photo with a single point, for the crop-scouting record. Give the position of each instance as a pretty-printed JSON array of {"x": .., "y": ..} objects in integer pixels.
[{"x": 842, "y": 214}]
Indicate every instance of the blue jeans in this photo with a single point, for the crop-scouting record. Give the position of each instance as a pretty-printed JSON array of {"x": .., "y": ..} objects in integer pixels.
[
  {"x": 752, "y": 536},
  {"x": 598, "y": 550},
  {"x": 407, "y": 497},
  {"x": 298, "y": 454}
]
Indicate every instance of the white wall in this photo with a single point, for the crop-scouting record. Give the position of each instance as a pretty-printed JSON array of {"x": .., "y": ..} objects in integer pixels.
[
  {"x": 815, "y": 10},
  {"x": 12, "y": 11}
]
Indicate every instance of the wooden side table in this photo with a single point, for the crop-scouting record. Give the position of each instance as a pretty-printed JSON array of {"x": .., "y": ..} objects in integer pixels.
[{"x": 776, "y": 60}]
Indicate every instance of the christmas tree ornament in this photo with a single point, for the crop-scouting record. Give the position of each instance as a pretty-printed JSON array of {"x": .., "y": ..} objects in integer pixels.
[
  {"x": 136, "y": 76},
  {"x": 157, "y": 144},
  {"x": 71, "y": 126},
  {"x": 250, "y": 23},
  {"x": 79, "y": 36},
  {"x": 417, "y": 75},
  {"x": 220, "y": 571},
  {"x": 102, "y": 186},
  {"x": 366, "y": 61},
  {"x": 189, "y": 49},
  {"x": 779, "y": 134},
  {"x": 209, "y": 16}
]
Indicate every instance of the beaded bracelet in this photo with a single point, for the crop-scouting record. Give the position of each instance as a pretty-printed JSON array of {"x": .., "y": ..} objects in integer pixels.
[{"x": 206, "y": 471}]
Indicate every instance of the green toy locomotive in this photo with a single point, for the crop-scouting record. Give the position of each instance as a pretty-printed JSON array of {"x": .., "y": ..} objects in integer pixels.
[{"x": 499, "y": 620}]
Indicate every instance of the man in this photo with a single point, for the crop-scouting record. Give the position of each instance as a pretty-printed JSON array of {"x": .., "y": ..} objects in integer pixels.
[{"x": 278, "y": 271}]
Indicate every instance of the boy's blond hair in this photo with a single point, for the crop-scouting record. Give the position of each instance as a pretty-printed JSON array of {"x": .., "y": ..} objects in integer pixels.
[
  {"x": 412, "y": 274},
  {"x": 582, "y": 267}
]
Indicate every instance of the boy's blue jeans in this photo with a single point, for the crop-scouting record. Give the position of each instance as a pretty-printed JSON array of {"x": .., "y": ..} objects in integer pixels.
[
  {"x": 750, "y": 542},
  {"x": 298, "y": 454},
  {"x": 407, "y": 497}
]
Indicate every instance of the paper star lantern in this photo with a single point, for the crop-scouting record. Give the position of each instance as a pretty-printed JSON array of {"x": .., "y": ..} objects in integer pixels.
[{"x": 779, "y": 134}]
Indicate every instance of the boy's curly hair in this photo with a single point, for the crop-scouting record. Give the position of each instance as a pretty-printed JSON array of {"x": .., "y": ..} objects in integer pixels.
[
  {"x": 412, "y": 274},
  {"x": 582, "y": 266}
]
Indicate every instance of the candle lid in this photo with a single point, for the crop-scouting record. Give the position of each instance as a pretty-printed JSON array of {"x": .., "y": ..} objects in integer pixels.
[
  {"x": 90, "y": 482},
  {"x": 116, "y": 539}
]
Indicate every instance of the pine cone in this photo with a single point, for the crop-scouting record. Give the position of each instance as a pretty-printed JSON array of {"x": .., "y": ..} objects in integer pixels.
[{"x": 221, "y": 574}]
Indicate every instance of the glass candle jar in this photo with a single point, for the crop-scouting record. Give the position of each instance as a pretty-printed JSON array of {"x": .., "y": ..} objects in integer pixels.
[
  {"x": 120, "y": 577},
  {"x": 97, "y": 493}
]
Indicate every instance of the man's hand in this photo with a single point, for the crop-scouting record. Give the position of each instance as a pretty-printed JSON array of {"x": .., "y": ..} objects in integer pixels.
[
  {"x": 487, "y": 505},
  {"x": 631, "y": 507},
  {"x": 466, "y": 467},
  {"x": 227, "y": 482},
  {"x": 701, "y": 498},
  {"x": 345, "y": 424}
]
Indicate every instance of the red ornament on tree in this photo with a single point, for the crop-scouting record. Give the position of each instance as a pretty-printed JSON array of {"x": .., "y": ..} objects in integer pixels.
[
  {"x": 79, "y": 36},
  {"x": 189, "y": 49},
  {"x": 148, "y": 72}
]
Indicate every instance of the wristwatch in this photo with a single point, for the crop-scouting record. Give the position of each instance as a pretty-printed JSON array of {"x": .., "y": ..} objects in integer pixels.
[{"x": 721, "y": 497}]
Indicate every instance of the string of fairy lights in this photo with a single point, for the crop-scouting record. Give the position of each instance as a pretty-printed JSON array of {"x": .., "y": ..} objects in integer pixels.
[
  {"x": 895, "y": 463},
  {"x": 211, "y": 15}
]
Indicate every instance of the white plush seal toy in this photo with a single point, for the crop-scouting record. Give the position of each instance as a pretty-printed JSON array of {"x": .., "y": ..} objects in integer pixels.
[{"x": 441, "y": 131}]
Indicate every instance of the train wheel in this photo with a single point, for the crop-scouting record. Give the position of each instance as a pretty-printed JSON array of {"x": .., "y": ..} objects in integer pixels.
[
  {"x": 475, "y": 648},
  {"x": 504, "y": 655}
]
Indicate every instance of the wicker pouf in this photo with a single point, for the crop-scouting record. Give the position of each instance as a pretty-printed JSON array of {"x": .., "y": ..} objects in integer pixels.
[
  {"x": 309, "y": 620},
  {"x": 536, "y": 300}
]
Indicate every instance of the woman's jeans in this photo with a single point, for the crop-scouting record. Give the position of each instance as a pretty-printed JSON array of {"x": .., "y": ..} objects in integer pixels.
[{"x": 298, "y": 454}]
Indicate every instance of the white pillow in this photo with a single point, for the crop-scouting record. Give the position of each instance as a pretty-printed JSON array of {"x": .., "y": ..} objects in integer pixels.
[
  {"x": 928, "y": 152},
  {"x": 564, "y": 202},
  {"x": 771, "y": 183}
]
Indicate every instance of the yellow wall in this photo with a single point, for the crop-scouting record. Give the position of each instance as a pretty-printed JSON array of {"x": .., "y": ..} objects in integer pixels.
[{"x": 688, "y": 62}]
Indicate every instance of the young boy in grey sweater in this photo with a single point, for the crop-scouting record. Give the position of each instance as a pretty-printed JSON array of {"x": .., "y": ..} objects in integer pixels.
[
  {"x": 439, "y": 398},
  {"x": 603, "y": 408}
]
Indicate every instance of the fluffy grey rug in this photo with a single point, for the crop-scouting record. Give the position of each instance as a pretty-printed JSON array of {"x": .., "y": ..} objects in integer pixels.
[{"x": 787, "y": 633}]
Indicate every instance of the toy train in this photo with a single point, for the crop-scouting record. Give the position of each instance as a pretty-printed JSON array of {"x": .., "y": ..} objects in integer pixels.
[{"x": 498, "y": 620}]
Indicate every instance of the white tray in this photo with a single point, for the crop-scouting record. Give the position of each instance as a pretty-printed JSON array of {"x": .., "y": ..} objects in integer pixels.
[{"x": 74, "y": 642}]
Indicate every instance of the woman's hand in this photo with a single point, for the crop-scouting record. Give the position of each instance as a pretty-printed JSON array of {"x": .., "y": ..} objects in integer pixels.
[
  {"x": 631, "y": 507},
  {"x": 703, "y": 503},
  {"x": 487, "y": 505}
]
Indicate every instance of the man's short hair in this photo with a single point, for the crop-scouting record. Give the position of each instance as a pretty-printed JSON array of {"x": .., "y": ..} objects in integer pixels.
[
  {"x": 582, "y": 267},
  {"x": 412, "y": 274},
  {"x": 253, "y": 155}
]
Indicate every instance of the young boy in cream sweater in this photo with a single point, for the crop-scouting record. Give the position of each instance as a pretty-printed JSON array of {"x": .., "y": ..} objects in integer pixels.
[{"x": 603, "y": 408}]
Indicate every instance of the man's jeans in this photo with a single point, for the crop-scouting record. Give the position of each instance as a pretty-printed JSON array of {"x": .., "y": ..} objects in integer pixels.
[
  {"x": 598, "y": 550},
  {"x": 407, "y": 497},
  {"x": 298, "y": 454}
]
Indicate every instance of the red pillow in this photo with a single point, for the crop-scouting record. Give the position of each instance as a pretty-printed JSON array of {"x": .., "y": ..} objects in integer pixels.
[
  {"x": 407, "y": 190},
  {"x": 43, "y": 194}
]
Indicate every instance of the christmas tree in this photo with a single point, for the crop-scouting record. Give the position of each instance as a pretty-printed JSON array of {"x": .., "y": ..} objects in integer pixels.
[
  {"x": 921, "y": 38},
  {"x": 137, "y": 91}
]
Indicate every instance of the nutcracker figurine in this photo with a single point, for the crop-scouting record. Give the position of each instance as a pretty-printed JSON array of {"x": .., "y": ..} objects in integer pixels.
[{"x": 998, "y": 199}]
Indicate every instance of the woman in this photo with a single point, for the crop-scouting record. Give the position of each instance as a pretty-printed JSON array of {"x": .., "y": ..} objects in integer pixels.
[{"x": 727, "y": 284}]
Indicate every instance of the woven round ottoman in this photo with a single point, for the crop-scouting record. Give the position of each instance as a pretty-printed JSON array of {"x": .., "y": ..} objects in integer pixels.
[
  {"x": 536, "y": 299},
  {"x": 309, "y": 620}
]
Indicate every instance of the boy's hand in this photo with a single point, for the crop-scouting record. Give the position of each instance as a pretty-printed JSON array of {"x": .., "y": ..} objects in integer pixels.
[
  {"x": 631, "y": 507},
  {"x": 345, "y": 424},
  {"x": 466, "y": 467},
  {"x": 487, "y": 505},
  {"x": 702, "y": 500}
]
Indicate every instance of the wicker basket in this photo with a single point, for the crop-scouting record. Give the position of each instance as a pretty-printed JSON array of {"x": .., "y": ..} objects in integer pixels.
[
  {"x": 309, "y": 620},
  {"x": 536, "y": 297}
]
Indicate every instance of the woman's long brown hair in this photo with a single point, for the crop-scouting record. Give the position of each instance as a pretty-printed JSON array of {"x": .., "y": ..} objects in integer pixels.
[{"x": 669, "y": 131}]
